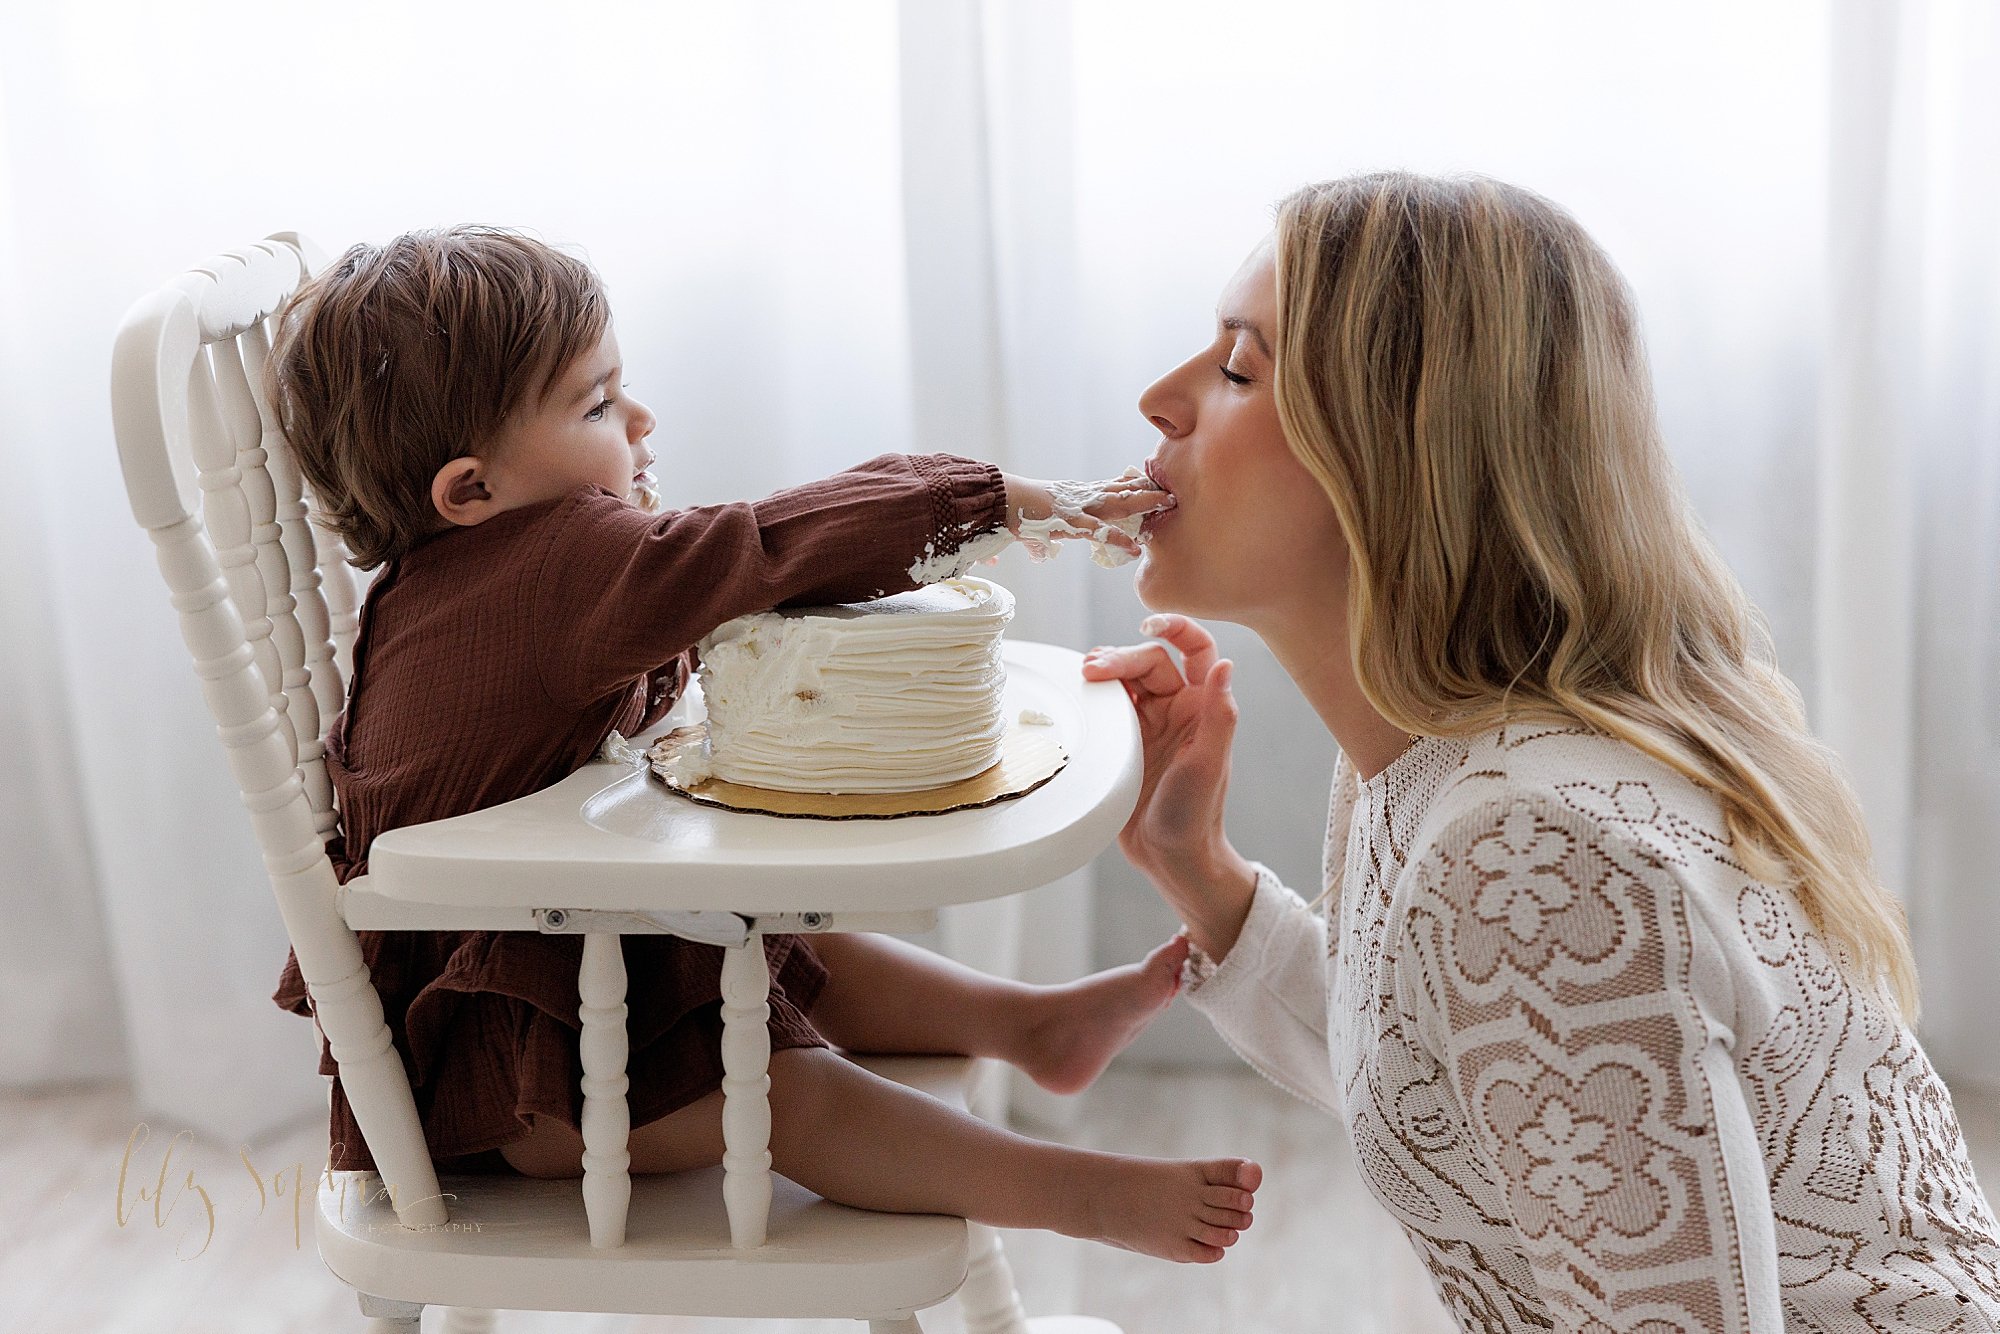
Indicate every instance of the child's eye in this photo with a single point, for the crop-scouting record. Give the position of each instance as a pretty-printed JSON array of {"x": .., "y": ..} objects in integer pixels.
[
  {"x": 597, "y": 413},
  {"x": 1232, "y": 376}
]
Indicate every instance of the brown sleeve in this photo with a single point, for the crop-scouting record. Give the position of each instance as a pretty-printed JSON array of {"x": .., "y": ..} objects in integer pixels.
[{"x": 616, "y": 592}]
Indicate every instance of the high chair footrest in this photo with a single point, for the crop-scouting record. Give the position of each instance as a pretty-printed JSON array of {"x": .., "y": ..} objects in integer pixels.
[{"x": 518, "y": 1243}]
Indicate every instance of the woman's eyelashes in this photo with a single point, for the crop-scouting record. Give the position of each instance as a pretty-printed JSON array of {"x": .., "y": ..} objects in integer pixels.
[{"x": 1232, "y": 376}]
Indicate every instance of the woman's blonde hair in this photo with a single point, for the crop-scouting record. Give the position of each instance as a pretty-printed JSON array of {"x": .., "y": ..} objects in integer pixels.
[{"x": 1460, "y": 367}]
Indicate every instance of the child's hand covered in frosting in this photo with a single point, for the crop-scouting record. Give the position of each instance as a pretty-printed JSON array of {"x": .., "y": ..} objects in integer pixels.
[{"x": 1106, "y": 514}]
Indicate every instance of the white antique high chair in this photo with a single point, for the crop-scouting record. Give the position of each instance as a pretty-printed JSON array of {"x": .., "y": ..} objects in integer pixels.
[{"x": 268, "y": 609}]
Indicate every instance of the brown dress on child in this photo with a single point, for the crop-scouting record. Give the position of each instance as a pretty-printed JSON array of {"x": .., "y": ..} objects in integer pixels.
[{"x": 491, "y": 662}]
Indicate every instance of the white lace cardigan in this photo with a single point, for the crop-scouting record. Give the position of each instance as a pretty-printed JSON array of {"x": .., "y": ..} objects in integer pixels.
[{"x": 1603, "y": 1078}]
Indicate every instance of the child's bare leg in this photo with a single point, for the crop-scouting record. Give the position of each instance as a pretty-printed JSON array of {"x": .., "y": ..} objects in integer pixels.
[
  {"x": 886, "y": 995},
  {"x": 861, "y": 1140},
  {"x": 680, "y": 1141}
]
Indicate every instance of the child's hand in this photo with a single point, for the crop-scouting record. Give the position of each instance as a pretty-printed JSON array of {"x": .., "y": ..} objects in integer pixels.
[{"x": 1106, "y": 514}]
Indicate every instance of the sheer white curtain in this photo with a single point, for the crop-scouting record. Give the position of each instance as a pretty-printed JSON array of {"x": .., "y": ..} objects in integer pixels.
[
  {"x": 1690, "y": 141},
  {"x": 806, "y": 217},
  {"x": 735, "y": 174},
  {"x": 1803, "y": 197},
  {"x": 985, "y": 227},
  {"x": 990, "y": 251},
  {"x": 56, "y": 1017},
  {"x": 1911, "y": 596}
]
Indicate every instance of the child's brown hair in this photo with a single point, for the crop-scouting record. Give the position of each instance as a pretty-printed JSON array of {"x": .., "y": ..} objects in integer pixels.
[{"x": 396, "y": 359}]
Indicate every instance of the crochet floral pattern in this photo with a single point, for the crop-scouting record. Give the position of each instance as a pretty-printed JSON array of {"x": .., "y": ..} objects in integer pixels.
[{"x": 1605, "y": 1079}]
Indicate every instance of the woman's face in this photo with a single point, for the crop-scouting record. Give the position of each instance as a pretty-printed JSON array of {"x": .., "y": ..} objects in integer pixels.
[{"x": 1252, "y": 529}]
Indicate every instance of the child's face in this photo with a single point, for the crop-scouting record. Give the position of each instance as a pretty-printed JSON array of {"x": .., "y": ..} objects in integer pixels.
[{"x": 587, "y": 431}]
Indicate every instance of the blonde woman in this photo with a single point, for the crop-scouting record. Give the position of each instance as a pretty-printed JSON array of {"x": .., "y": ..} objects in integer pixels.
[{"x": 1604, "y": 985}]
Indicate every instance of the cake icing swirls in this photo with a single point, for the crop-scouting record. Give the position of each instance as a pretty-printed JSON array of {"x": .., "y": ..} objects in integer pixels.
[{"x": 896, "y": 695}]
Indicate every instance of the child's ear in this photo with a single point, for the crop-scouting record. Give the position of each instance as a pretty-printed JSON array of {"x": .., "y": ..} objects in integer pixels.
[{"x": 460, "y": 493}]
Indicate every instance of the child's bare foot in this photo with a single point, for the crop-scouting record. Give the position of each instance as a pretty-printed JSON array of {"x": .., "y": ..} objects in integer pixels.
[
  {"x": 1184, "y": 1211},
  {"x": 1087, "y": 1022}
]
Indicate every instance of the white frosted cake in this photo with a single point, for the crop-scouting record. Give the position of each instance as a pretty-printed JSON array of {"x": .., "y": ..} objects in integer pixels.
[{"x": 896, "y": 695}]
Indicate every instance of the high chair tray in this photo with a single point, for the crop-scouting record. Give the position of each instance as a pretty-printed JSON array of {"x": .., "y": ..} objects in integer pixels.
[{"x": 610, "y": 836}]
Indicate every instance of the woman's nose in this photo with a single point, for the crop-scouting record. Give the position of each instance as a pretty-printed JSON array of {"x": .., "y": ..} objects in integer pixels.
[{"x": 1167, "y": 411}]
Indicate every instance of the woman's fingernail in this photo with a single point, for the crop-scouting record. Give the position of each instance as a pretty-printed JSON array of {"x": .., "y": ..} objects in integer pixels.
[{"x": 1152, "y": 625}]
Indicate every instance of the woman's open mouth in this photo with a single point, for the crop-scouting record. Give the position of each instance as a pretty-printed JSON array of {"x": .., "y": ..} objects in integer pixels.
[{"x": 1160, "y": 516}]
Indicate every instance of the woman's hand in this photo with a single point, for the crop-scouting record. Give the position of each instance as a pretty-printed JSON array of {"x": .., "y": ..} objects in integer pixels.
[
  {"x": 1042, "y": 513},
  {"x": 1187, "y": 718}
]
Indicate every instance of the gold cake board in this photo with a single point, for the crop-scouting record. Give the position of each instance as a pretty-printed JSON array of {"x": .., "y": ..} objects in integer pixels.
[{"x": 1029, "y": 757}]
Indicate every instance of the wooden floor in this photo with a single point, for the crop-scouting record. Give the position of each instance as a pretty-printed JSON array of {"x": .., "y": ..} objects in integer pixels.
[{"x": 211, "y": 1254}]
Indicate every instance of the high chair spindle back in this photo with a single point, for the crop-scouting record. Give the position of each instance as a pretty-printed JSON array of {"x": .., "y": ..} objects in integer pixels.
[{"x": 267, "y": 604}]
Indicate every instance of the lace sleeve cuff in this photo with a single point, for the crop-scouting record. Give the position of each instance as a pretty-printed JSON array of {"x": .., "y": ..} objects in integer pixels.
[{"x": 1216, "y": 978}]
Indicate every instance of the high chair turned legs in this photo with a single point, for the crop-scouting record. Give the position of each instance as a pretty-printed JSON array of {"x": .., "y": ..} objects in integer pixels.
[
  {"x": 607, "y": 1116},
  {"x": 988, "y": 1299},
  {"x": 746, "y": 1088},
  {"x": 386, "y": 1316},
  {"x": 746, "y": 1091}
]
